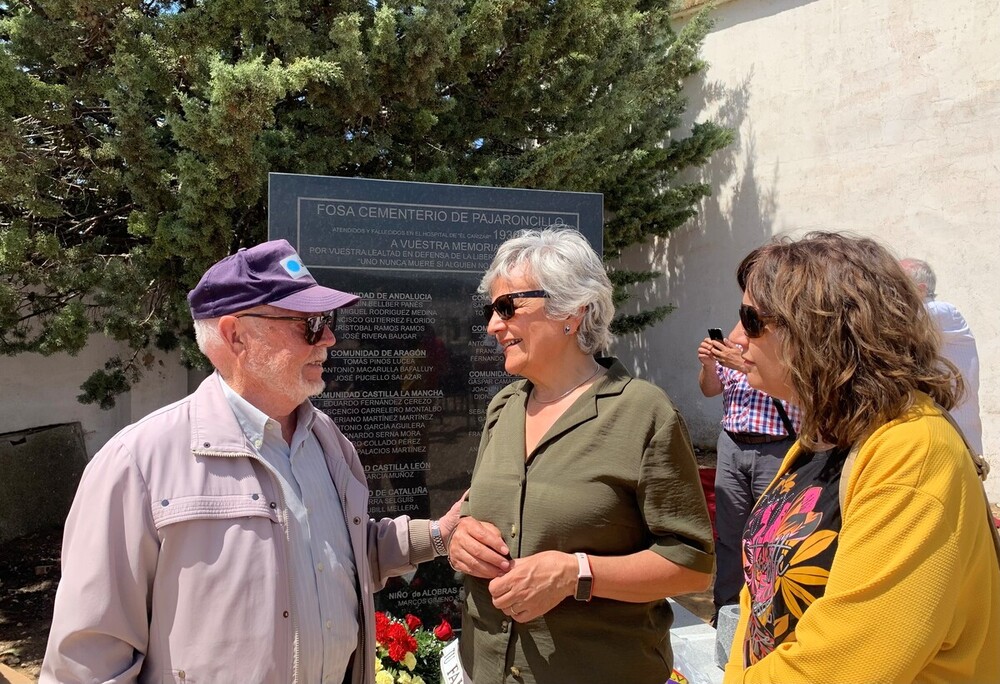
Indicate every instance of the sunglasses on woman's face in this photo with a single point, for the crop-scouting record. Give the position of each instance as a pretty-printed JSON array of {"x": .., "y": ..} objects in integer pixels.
[
  {"x": 504, "y": 304},
  {"x": 753, "y": 321},
  {"x": 314, "y": 324}
]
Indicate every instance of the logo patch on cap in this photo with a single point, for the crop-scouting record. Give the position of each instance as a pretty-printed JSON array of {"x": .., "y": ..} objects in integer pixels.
[{"x": 294, "y": 267}]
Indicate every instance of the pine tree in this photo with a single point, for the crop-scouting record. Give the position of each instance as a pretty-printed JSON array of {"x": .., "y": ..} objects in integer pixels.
[{"x": 136, "y": 138}]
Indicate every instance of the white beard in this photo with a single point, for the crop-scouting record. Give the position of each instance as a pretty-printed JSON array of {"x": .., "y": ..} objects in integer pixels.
[{"x": 267, "y": 372}]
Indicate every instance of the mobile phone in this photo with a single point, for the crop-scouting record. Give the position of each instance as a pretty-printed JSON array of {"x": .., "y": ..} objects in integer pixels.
[{"x": 715, "y": 334}]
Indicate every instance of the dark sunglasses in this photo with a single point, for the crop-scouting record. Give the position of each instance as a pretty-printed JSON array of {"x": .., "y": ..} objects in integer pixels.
[
  {"x": 314, "y": 324},
  {"x": 504, "y": 304},
  {"x": 753, "y": 321}
]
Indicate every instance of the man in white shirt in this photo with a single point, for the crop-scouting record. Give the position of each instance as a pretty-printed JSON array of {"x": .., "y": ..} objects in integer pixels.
[{"x": 957, "y": 345}]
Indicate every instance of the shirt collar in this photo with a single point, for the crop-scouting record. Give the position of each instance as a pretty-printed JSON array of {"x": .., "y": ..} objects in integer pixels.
[
  {"x": 304, "y": 423},
  {"x": 253, "y": 421},
  {"x": 250, "y": 418}
]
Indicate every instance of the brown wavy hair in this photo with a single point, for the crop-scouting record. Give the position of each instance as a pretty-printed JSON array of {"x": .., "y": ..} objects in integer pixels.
[{"x": 853, "y": 331}]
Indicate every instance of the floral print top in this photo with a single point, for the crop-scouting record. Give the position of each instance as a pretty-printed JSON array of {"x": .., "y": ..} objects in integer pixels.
[{"x": 788, "y": 546}]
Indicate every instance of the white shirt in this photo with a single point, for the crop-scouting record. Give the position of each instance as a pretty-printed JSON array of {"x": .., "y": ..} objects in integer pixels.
[
  {"x": 321, "y": 562},
  {"x": 959, "y": 346}
]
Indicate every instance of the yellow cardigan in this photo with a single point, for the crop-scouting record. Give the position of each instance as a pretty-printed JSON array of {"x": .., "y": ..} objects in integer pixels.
[{"x": 914, "y": 590}]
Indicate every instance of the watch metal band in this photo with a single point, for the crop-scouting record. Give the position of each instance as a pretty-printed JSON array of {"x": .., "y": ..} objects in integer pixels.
[{"x": 437, "y": 542}]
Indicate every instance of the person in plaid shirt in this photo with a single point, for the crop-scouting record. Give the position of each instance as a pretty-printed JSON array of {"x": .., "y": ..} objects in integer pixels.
[{"x": 754, "y": 439}]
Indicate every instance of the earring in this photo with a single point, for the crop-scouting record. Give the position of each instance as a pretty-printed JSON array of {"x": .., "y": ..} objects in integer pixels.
[{"x": 566, "y": 330}]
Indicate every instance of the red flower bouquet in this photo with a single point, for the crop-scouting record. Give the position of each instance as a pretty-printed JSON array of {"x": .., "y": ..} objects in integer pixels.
[{"x": 406, "y": 652}]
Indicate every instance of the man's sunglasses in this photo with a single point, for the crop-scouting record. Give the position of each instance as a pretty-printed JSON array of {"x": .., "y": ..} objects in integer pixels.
[
  {"x": 314, "y": 324},
  {"x": 753, "y": 321},
  {"x": 504, "y": 304}
]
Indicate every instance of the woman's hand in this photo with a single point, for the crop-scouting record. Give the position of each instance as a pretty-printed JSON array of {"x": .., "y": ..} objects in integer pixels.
[
  {"x": 706, "y": 353},
  {"x": 730, "y": 355},
  {"x": 535, "y": 585},
  {"x": 478, "y": 549},
  {"x": 727, "y": 353}
]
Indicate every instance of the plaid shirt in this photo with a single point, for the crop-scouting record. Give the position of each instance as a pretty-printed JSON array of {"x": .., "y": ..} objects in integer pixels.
[{"x": 750, "y": 410}]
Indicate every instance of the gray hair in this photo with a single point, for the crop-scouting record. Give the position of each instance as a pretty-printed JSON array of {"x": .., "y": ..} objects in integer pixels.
[
  {"x": 206, "y": 334},
  {"x": 561, "y": 262},
  {"x": 921, "y": 273}
]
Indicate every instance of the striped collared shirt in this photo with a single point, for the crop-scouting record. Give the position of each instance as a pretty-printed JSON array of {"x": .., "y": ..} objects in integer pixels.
[
  {"x": 322, "y": 567},
  {"x": 751, "y": 411}
]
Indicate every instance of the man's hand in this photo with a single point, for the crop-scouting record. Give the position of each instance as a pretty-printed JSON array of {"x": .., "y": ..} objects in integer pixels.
[
  {"x": 478, "y": 549},
  {"x": 449, "y": 520},
  {"x": 535, "y": 585}
]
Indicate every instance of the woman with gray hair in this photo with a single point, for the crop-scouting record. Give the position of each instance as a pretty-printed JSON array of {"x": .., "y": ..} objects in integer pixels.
[{"x": 585, "y": 509}]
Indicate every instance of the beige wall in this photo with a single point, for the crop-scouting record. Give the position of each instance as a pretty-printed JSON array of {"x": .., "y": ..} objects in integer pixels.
[
  {"x": 881, "y": 118},
  {"x": 42, "y": 390}
]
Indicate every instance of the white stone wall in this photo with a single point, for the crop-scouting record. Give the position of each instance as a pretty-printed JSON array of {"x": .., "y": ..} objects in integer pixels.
[
  {"x": 39, "y": 390},
  {"x": 881, "y": 118}
]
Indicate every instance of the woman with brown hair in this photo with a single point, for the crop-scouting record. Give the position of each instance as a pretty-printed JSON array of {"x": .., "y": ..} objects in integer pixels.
[{"x": 890, "y": 576}]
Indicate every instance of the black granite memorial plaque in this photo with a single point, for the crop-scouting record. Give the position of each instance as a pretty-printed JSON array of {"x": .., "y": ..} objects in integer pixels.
[{"x": 413, "y": 369}]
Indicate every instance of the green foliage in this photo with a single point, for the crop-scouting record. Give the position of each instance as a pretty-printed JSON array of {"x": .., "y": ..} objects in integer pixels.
[
  {"x": 623, "y": 281},
  {"x": 135, "y": 139}
]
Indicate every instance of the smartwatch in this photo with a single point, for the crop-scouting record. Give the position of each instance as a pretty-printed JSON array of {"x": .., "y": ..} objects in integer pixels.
[{"x": 584, "y": 579}]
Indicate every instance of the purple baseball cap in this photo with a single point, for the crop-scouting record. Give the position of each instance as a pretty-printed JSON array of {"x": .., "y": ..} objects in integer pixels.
[{"x": 270, "y": 273}]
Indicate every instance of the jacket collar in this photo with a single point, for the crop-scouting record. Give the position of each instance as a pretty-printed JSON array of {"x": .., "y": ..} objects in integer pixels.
[{"x": 214, "y": 428}]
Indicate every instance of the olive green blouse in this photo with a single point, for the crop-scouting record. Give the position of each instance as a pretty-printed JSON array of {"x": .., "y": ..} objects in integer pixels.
[{"x": 614, "y": 475}]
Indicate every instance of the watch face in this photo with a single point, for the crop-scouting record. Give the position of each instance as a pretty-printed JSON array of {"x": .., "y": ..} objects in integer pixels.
[{"x": 583, "y": 588}]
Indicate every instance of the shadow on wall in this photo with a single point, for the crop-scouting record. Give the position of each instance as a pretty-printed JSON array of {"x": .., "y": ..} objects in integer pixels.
[
  {"x": 699, "y": 259},
  {"x": 706, "y": 250}
]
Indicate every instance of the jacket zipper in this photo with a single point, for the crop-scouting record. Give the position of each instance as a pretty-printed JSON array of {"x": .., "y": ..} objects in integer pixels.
[
  {"x": 288, "y": 550},
  {"x": 361, "y": 602}
]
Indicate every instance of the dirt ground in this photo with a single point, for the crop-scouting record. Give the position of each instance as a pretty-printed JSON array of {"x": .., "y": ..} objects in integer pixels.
[{"x": 29, "y": 573}]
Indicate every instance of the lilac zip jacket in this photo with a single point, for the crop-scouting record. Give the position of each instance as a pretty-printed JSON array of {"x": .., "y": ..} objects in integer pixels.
[{"x": 175, "y": 556}]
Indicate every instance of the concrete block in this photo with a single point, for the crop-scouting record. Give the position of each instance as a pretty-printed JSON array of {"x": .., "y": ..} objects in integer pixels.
[
  {"x": 729, "y": 616},
  {"x": 41, "y": 469},
  {"x": 693, "y": 643}
]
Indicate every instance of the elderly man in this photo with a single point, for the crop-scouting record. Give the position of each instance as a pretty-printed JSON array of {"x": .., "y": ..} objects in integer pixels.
[
  {"x": 226, "y": 538},
  {"x": 957, "y": 345}
]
